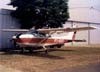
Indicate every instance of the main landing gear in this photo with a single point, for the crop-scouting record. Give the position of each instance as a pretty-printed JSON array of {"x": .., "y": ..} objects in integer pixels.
[
  {"x": 30, "y": 50},
  {"x": 45, "y": 49}
]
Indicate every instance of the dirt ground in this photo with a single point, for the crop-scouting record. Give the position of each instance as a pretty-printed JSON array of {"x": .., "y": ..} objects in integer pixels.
[{"x": 57, "y": 59}]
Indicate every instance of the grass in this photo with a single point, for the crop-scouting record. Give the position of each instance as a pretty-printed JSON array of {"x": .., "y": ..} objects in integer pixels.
[
  {"x": 76, "y": 50},
  {"x": 66, "y": 57}
]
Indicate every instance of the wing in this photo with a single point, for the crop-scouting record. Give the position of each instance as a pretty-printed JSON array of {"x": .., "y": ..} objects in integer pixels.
[
  {"x": 52, "y": 30},
  {"x": 15, "y": 30},
  {"x": 65, "y": 29}
]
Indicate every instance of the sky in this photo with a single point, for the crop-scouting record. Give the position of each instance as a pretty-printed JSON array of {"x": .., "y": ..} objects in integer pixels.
[
  {"x": 3, "y": 4},
  {"x": 78, "y": 9}
]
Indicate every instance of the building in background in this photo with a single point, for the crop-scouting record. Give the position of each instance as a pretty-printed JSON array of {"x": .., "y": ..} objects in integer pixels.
[
  {"x": 81, "y": 10},
  {"x": 7, "y": 22},
  {"x": 86, "y": 11}
]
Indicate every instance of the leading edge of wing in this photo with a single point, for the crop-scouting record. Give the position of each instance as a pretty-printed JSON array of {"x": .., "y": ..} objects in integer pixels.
[
  {"x": 52, "y": 29},
  {"x": 67, "y": 29},
  {"x": 80, "y": 29},
  {"x": 15, "y": 30}
]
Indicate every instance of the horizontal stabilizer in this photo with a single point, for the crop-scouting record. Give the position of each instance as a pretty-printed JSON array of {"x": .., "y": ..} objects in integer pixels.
[{"x": 76, "y": 40}]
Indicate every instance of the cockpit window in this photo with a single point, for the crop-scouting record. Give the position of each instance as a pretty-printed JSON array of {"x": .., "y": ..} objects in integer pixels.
[
  {"x": 32, "y": 31},
  {"x": 36, "y": 33}
]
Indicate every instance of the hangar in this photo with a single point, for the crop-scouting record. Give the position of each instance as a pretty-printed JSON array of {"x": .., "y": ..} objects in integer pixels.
[{"x": 6, "y": 21}]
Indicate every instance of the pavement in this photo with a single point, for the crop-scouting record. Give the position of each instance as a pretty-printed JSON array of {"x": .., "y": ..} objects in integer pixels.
[{"x": 5, "y": 69}]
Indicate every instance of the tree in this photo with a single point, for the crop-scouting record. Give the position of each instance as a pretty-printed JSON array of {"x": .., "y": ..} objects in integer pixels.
[{"x": 41, "y": 13}]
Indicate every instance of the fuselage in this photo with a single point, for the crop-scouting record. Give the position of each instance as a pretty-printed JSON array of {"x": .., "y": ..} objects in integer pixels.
[{"x": 35, "y": 39}]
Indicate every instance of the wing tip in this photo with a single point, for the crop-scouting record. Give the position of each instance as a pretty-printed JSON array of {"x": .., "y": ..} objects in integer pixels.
[{"x": 93, "y": 27}]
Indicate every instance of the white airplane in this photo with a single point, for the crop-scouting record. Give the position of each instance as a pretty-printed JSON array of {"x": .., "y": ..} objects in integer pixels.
[{"x": 44, "y": 38}]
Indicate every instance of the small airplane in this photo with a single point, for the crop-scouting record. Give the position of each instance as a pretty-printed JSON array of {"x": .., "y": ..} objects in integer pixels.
[{"x": 34, "y": 39}]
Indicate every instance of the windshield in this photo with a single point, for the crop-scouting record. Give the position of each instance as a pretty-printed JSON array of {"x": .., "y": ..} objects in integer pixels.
[{"x": 36, "y": 33}]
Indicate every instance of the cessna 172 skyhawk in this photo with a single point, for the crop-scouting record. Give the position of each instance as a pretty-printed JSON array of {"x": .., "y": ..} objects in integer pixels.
[{"x": 44, "y": 38}]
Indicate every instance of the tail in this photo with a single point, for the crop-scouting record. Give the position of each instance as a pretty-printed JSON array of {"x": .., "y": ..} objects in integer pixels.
[
  {"x": 66, "y": 36},
  {"x": 71, "y": 35},
  {"x": 74, "y": 35}
]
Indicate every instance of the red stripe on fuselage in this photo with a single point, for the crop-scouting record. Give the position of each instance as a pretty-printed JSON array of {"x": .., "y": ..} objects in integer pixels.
[{"x": 41, "y": 40}]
